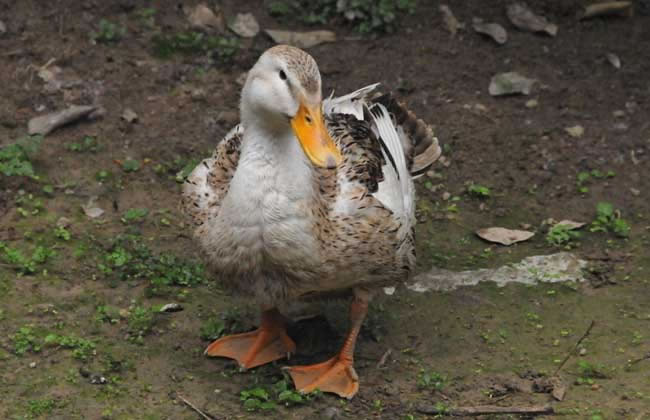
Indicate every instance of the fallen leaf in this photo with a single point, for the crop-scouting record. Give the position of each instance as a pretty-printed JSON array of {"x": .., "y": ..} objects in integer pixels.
[
  {"x": 245, "y": 25},
  {"x": 575, "y": 131},
  {"x": 532, "y": 103},
  {"x": 129, "y": 115},
  {"x": 559, "y": 388},
  {"x": 493, "y": 30},
  {"x": 301, "y": 39},
  {"x": 504, "y": 236},
  {"x": 611, "y": 8},
  {"x": 45, "y": 124},
  {"x": 570, "y": 224},
  {"x": 202, "y": 17},
  {"x": 91, "y": 210},
  {"x": 613, "y": 60},
  {"x": 523, "y": 18},
  {"x": 510, "y": 83},
  {"x": 453, "y": 25}
]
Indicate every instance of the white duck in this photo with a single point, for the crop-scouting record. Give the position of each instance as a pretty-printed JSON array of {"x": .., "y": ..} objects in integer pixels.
[{"x": 308, "y": 198}]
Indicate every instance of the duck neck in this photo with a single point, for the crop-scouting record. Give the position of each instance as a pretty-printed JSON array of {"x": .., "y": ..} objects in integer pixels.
[{"x": 272, "y": 162}]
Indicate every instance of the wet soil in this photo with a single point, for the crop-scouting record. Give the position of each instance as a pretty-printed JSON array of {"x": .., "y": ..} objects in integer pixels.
[{"x": 475, "y": 340}]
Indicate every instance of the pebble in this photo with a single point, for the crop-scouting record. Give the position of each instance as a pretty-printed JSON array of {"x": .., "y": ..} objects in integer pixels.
[
  {"x": 532, "y": 103},
  {"x": 583, "y": 351},
  {"x": 619, "y": 113},
  {"x": 331, "y": 413},
  {"x": 32, "y": 365},
  {"x": 635, "y": 192}
]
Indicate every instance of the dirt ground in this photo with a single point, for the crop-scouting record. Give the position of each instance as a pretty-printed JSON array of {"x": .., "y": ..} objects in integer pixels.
[{"x": 462, "y": 348}]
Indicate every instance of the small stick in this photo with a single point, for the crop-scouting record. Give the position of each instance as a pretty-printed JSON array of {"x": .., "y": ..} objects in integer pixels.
[
  {"x": 193, "y": 407},
  {"x": 622, "y": 8},
  {"x": 486, "y": 410},
  {"x": 384, "y": 357},
  {"x": 566, "y": 358},
  {"x": 641, "y": 359}
]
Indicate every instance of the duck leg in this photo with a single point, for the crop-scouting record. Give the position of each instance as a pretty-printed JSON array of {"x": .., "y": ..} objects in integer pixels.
[
  {"x": 267, "y": 343},
  {"x": 336, "y": 375}
]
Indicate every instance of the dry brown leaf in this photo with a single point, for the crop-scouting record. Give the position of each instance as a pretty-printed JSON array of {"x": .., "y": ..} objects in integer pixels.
[
  {"x": 301, "y": 39},
  {"x": 570, "y": 224},
  {"x": 245, "y": 25},
  {"x": 511, "y": 83},
  {"x": 453, "y": 25},
  {"x": 523, "y": 18},
  {"x": 616, "y": 8},
  {"x": 493, "y": 30},
  {"x": 202, "y": 17},
  {"x": 504, "y": 236}
]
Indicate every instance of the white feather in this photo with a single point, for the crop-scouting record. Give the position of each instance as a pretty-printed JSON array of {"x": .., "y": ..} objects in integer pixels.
[
  {"x": 396, "y": 191},
  {"x": 351, "y": 104}
]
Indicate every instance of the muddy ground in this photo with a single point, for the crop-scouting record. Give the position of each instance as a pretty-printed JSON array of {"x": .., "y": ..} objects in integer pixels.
[{"x": 78, "y": 334}]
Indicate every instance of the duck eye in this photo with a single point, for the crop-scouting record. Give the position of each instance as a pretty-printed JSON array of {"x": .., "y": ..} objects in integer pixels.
[
  {"x": 283, "y": 75},
  {"x": 308, "y": 119}
]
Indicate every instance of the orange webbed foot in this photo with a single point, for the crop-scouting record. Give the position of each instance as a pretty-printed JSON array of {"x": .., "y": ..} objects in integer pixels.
[
  {"x": 268, "y": 343},
  {"x": 336, "y": 375}
]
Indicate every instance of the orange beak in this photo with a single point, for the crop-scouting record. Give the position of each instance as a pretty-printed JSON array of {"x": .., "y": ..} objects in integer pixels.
[{"x": 309, "y": 127}]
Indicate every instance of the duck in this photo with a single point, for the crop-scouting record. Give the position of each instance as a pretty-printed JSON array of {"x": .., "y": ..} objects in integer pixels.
[{"x": 308, "y": 198}]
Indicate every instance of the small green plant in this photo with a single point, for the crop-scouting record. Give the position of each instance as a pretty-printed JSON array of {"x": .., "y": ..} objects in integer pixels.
[
  {"x": 130, "y": 165},
  {"x": 38, "y": 408},
  {"x": 22, "y": 263},
  {"x": 479, "y": 191},
  {"x": 25, "y": 340},
  {"x": 87, "y": 144},
  {"x": 15, "y": 158},
  {"x": 140, "y": 323},
  {"x": 62, "y": 233},
  {"x": 609, "y": 220},
  {"x": 147, "y": 16},
  {"x": 134, "y": 215},
  {"x": 108, "y": 32},
  {"x": 584, "y": 178},
  {"x": 588, "y": 372},
  {"x": 431, "y": 380},
  {"x": 103, "y": 175},
  {"x": 107, "y": 313},
  {"x": 269, "y": 397},
  {"x": 560, "y": 235},
  {"x": 82, "y": 349},
  {"x": 366, "y": 15},
  {"x": 129, "y": 259},
  {"x": 222, "y": 49}
]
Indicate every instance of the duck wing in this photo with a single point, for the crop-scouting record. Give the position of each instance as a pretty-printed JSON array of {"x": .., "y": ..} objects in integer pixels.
[{"x": 207, "y": 185}]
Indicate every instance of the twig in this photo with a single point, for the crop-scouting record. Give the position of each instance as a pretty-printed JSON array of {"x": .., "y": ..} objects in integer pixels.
[
  {"x": 481, "y": 410},
  {"x": 384, "y": 357},
  {"x": 641, "y": 359},
  {"x": 193, "y": 407},
  {"x": 568, "y": 355}
]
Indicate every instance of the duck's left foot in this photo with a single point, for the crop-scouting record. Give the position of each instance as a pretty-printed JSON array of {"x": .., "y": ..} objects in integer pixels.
[{"x": 336, "y": 375}]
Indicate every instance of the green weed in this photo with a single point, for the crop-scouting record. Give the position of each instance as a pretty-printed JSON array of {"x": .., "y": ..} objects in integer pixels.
[
  {"x": 269, "y": 397},
  {"x": 478, "y": 191},
  {"x": 108, "y": 32},
  {"x": 609, "y": 220},
  {"x": 134, "y": 215},
  {"x": 82, "y": 349},
  {"x": 221, "y": 48},
  {"x": 130, "y": 165},
  {"x": 61, "y": 232},
  {"x": 38, "y": 408},
  {"x": 15, "y": 158},
  {"x": 366, "y": 15},
  {"x": 129, "y": 259},
  {"x": 559, "y": 235},
  {"x": 25, "y": 340},
  {"x": 22, "y": 263},
  {"x": 86, "y": 144},
  {"x": 431, "y": 380}
]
